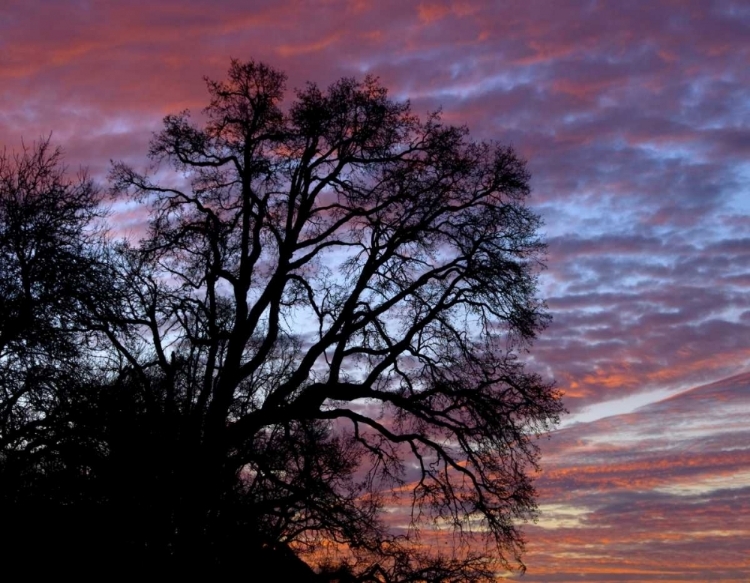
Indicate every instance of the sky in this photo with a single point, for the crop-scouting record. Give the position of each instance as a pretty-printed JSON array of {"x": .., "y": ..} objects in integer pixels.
[{"x": 634, "y": 118}]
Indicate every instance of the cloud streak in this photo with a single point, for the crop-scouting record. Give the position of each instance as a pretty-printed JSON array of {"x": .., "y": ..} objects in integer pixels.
[{"x": 657, "y": 494}]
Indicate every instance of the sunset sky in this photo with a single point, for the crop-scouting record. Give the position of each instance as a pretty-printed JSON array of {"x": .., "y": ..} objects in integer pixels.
[{"x": 634, "y": 117}]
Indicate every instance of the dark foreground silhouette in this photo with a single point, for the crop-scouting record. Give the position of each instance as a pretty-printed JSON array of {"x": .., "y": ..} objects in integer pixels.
[{"x": 329, "y": 303}]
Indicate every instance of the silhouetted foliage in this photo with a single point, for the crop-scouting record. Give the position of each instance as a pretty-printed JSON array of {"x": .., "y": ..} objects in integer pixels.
[
  {"x": 46, "y": 273},
  {"x": 50, "y": 274},
  {"x": 329, "y": 302},
  {"x": 46, "y": 276}
]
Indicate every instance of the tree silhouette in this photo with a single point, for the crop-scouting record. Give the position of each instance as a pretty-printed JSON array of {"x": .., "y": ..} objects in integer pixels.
[
  {"x": 340, "y": 276},
  {"x": 326, "y": 312},
  {"x": 50, "y": 273},
  {"x": 47, "y": 273}
]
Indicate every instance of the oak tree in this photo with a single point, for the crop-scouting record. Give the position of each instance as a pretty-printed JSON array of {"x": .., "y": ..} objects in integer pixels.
[{"x": 336, "y": 293}]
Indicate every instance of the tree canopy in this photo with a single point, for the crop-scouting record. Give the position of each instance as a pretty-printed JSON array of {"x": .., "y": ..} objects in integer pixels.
[{"x": 324, "y": 317}]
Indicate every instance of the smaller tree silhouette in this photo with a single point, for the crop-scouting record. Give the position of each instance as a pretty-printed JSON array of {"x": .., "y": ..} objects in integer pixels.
[
  {"x": 48, "y": 275},
  {"x": 51, "y": 274}
]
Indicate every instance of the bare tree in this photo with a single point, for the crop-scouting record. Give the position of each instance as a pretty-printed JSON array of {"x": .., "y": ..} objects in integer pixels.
[
  {"x": 51, "y": 273},
  {"x": 329, "y": 294},
  {"x": 47, "y": 274}
]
